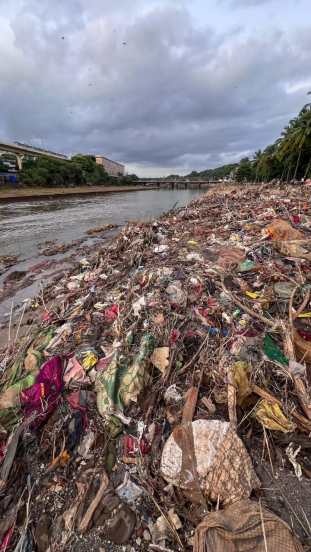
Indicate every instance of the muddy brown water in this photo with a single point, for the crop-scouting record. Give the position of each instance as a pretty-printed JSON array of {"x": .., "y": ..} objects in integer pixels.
[{"x": 25, "y": 226}]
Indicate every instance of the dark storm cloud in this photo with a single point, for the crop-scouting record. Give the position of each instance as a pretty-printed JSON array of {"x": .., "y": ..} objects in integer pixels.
[{"x": 149, "y": 88}]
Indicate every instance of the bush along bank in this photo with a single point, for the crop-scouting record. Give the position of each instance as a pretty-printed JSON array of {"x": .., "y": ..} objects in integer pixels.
[
  {"x": 81, "y": 170},
  {"x": 160, "y": 400}
]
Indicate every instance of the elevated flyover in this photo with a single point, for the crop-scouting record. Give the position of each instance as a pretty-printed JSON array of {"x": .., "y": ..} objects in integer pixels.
[{"x": 23, "y": 150}]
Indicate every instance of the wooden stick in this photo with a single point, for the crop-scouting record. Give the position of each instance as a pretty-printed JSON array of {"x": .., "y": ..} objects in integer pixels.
[
  {"x": 273, "y": 324},
  {"x": 195, "y": 356},
  {"x": 231, "y": 390},
  {"x": 92, "y": 507},
  {"x": 190, "y": 404}
]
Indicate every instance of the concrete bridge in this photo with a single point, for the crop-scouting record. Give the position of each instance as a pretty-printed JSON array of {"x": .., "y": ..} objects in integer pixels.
[
  {"x": 23, "y": 150},
  {"x": 178, "y": 184}
]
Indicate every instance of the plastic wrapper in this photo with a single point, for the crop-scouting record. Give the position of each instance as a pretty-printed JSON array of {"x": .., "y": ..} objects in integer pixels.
[
  {"x": 273, "y": 351},
  {"x": 271, "y": 416},
  {"x": 87, "y": 356},
  {"x": 74, "y": 372}
]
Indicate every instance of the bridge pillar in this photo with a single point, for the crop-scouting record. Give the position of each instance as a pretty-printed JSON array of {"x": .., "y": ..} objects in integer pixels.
[{"x": 19, "y": 160}]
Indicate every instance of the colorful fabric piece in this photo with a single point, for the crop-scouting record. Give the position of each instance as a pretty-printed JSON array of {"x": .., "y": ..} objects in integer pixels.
[{"x": 42, "y": 397}]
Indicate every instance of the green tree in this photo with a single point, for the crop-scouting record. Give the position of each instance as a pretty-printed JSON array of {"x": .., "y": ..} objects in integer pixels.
[
  {"x": 244, "y": 172},
  {"x": 78, "y": 171},
  {"x": 294, "y": 146}
]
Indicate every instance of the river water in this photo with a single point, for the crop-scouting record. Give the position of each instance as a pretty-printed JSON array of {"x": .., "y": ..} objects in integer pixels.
[{"x": 25, "y": 225}]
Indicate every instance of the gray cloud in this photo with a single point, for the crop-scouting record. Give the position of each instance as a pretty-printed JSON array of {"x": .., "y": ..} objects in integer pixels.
[
  {"x": 149, "y": 88},
  {"x": 246, "y": 3},
  {"x": 250, "y": 3}
]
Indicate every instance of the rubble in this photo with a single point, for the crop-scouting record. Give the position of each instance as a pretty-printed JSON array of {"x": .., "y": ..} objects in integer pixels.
[{"x": 160, "y": 382}]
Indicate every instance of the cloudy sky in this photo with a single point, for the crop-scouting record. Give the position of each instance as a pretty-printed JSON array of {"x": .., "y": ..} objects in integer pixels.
[{"x": 165, "y": 86}]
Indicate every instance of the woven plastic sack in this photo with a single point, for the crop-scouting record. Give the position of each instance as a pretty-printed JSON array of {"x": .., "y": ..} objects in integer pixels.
[
  {"x": 207, "y": 458},
  {"x": 244, "y": 526}
]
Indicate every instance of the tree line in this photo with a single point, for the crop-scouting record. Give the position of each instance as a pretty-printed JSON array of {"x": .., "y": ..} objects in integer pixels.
[
  {"x": 288, "y": 158},
  {"x": 80, "y": 170}
]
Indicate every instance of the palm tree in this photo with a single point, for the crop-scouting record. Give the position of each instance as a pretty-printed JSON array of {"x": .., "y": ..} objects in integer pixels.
[
  {"x": 295, "y": 138},
  {"x": 303, "y": 132}
]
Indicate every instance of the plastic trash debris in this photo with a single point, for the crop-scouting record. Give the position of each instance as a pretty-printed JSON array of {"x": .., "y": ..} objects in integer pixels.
[
  {"x": 273, "y": 352},
  {"x": 227, "y": 313},
  {"x": 134, "y": 446},
  {"x": 271, "y": 416},
  {"x": 247, "y": 266},
  {"x": 128, "y": 491},
  {"x": 87, "y": 356},
  {"x": 162, "y": 529},
  {"x": 61, "y": 334},
  {"x": 176, "y": 294},
  {"x": 161, "y": 248},
  {"x": 138, "y": 305},
  {"x": 195, "y": 257},
  {"x": 292, "y": 455},
  {"x": 160, "y": 358},
  {"x": 284, "y": 290},
  {"x": 75, "y": 372},
  {"x": 111, "y": 313},
  {"x": 86, "y": 444},
  {"x": 240, "y": 372},
  {"x": 172, "y": 394},
  {"x": 5, "y": 543}
]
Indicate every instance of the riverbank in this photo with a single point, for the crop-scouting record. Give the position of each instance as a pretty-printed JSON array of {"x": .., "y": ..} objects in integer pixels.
[
  {"x": 46, "y": 193},
  {"x": 39, "y": 238},
  {"x": 164, "y": 372}
]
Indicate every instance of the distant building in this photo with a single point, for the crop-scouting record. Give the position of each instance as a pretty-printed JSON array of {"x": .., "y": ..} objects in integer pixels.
[
  {"x": 111, "y": 167},
  {"x": 10, "y": 165}
]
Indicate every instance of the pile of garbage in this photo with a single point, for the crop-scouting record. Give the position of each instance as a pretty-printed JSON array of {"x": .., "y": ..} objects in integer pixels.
[{"x": 160, "y": 399}]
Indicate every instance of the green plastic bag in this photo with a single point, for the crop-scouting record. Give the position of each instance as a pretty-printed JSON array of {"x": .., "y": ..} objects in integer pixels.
[
  {"x": 247, "y": 265},
  {"x": 273, "y": 351}
]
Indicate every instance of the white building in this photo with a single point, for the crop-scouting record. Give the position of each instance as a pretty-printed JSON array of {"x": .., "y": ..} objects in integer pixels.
[{"x": 111, "y": 167}]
